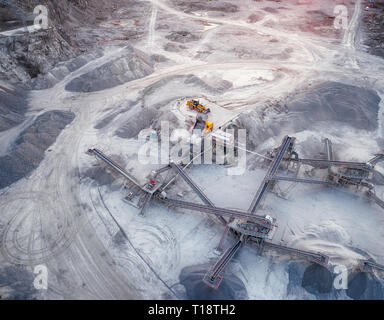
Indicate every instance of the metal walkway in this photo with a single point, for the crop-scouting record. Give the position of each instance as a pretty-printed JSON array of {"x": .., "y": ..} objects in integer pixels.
[
  {"x": 214, "y": 276},
  {"x": 218, "y": 211},
  {"x": 268, "y": 180}
]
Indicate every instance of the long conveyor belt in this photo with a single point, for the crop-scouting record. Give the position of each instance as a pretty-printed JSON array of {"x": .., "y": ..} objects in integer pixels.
[
  {"x": 218, "y": 211},
  {"x": 328, "y": 149},
  {"x": 193, "y": 185},
  {"x": 376, "y": 199},
  {"x": 214, "y": 276},
  {"x": 115, "y": 166},
  {"x": 378, "y": 158},
  {"x": 325, "y": 163},
  {"x": 268, "y": 180},
  {"x": 301, "y": 180},
  {"x": 367, "y": 265},
  {"x": 163, "y": 169},
  {"x": 146, "y": 200},
  {"x": 312, "y": 256}
]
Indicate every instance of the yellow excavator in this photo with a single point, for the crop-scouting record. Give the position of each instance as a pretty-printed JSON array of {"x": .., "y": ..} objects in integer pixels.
[{"x": 195, "y": 105}]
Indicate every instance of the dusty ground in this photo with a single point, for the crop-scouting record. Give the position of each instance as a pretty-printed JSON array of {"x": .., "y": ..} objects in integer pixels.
[{"x": 259, "y": 64}]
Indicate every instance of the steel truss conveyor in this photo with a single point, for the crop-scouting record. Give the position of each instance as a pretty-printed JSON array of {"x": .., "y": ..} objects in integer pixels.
[
  {"x": 269, "y": 178},
  {"x": 215, "y": 274},
  {"x": 146, "y": 193},
  {"x": 307, "y": 255},
  {"x": 367, "y": 266},
  {"x": 375, "y": 198},
  {"x": 218, "y": 211},
  {"x": 195, "y": 187},
  {"x": 115, "y": 166},
  {"x": 302, "y": 180},
  {"x": 325, "y": 163}
]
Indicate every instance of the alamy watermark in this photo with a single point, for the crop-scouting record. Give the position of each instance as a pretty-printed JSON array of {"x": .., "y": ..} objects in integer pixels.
[
  {"x": 341, "y": 280},
  {"x": 41, "y": 280},
  {"x": 340, "y": 11},
  {"x": 341, "y": 17},
  {"x": 41, "y": 21}
]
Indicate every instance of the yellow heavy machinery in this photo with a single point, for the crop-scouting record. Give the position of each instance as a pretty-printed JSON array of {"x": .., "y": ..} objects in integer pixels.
[
  {"x": 195, "y": 105},
  {"x": 202, "y": 123},
  {"x": 208, "y": 127}
]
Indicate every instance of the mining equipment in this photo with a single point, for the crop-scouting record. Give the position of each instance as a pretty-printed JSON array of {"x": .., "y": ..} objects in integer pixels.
[
  {"x": 195, "y": 105},
  {"x": 202, "y": 123},
  {"x": 249, "y": 227},
  {"x": 357, "y": 175}
]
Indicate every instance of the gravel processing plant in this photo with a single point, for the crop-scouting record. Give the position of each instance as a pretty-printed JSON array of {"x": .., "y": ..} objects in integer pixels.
[{"x": 176, "y": 150}]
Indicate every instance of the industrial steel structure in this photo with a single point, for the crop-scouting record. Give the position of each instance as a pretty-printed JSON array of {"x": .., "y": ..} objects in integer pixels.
[{"x": 249, "y": 227}]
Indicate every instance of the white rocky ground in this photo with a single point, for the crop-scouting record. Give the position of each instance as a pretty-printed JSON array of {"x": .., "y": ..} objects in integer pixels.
[{"x": 241, "y": 63}]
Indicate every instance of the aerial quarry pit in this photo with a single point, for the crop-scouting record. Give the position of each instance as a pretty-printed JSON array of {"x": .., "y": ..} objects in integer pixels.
[{"x": 192, "y": 150}]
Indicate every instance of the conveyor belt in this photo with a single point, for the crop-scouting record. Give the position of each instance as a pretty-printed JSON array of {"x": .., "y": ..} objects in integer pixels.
[
  {"x": 147, "y": 200},
  {"x": 301, "y": 180},
  {"x": 322, "y": 163},
  {"x": 218, "y": 211},
  {"x": 367, "y": 265},
  {"x": 223, "y": 236},
  {"x": 193, "y": 185},
  {"x": 268, "y": 180},
  {"x": 376, "y": 199},
  {"x": 163, "y": 169},
  {"x": 328, "y": 149},
  {"x": 276, "y": 162},
  {"x": 214, "y": 276},
  {"x": 312, "y": 256},
  {"x": 378, "y": 158},
  {"x": 115, "y": 166}
]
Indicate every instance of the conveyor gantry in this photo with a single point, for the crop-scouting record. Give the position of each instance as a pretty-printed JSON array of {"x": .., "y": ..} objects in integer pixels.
[
  {"x": 325, "y": 163},
  {"x": 302, "y": 180},
  {"x": 214, "y": 276},
  {"x": 378, "y": 158},
  {"x": 114, "y": 165},
  {"x": 328, "y": 149},
  {"x": 218, "y": 211},
  {"x": 146, "y": 200},
  {"x": 375, "y": 198},
  {"x": 147, "y": 192},
  {"x": 368, "y": 265},
  {"x": 269, "y": 178},
  {"x": 195, "y": 187},
  {"x": 308, "y": 255}
]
